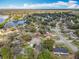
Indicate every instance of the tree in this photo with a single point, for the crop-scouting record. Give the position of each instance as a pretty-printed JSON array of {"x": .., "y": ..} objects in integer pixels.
[
  {"x": 26, "y": 37},
  {"x": 77, "y": 55},
  {"x": 16, "y": 17},
  {"x": 31, "y": 27},
  {"x": 45, "y": 55},
  {"x": 21, "y": 57},
  {"x": 6, "y": 53},
  {"x": 30, "y": 53},
  {"x": 48, "y": 44},
  {"x": 77, "y": 32}
]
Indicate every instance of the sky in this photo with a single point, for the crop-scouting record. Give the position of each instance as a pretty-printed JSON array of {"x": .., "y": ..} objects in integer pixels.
[{"x": 39, "y": 4}]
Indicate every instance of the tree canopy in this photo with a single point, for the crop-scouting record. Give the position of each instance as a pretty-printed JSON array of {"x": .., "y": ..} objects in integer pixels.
[{"x": 45, "y": 55}]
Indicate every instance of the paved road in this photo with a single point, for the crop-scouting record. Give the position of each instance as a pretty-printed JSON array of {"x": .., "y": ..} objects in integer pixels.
[{"x": 66, "y": 42}]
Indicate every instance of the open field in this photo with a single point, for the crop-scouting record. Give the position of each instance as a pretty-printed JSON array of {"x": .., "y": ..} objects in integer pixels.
[{"x": 29, "y": 11}]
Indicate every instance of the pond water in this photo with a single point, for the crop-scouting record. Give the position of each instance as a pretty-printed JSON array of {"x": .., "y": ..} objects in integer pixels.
[
  {"x": 1, "y": 20},
  {"x": 15, "y": 23}
]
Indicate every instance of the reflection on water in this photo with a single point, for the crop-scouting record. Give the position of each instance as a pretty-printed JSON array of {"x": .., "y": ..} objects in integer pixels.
[
  {"x": 14, "y": 23},
  {"x": 1, "y": 20}
]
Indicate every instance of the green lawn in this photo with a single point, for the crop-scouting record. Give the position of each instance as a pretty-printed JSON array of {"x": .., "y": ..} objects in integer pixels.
[
  {"x": 5, "y": 53},
  {"x": 21, "y": 57},
  {"x": 3, "y": 23}
]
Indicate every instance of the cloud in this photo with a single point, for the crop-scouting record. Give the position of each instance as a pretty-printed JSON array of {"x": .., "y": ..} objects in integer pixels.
[
  {"x": 55, "y": 5},
  {"x": 72, "y": 4}
]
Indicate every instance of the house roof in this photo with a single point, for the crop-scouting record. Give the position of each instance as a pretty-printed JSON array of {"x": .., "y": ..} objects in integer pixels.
[{"x": 63, "y": 50}]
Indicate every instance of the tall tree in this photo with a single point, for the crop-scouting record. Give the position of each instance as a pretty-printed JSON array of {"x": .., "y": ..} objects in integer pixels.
[
  {"x": 45, "y": 55},
  {"x": 48, "y": 44}
]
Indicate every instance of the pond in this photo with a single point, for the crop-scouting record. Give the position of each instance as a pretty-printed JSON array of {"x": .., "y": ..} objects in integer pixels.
[
  {"x": 12, "y": 23},
  {"x": 1, "y": 20},
  {"x": 15, "y": 23}
]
